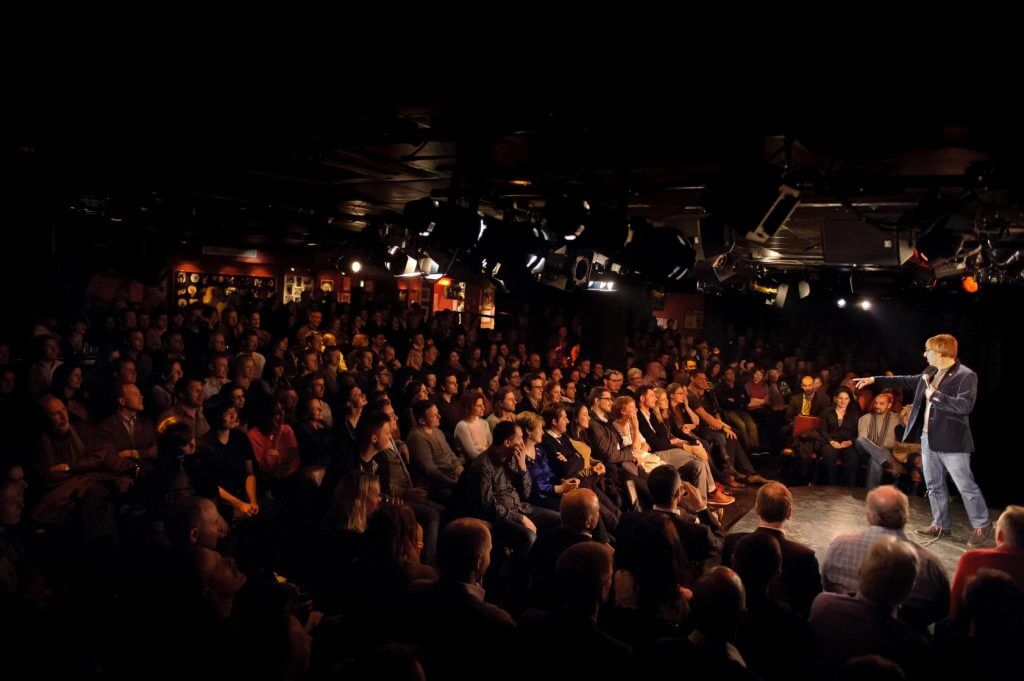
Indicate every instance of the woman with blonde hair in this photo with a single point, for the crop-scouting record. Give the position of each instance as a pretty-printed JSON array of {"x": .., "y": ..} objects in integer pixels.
[
  {"x": 356, "y": 498},
  {"x": 546, "y": 490}
]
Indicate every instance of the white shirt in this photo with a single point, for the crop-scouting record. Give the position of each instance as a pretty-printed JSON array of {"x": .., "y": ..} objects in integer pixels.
[{"x": 939, "y": 375}]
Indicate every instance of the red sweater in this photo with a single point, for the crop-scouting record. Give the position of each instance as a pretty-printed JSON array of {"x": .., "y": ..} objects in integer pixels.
[{"x": 979, "y": 559}]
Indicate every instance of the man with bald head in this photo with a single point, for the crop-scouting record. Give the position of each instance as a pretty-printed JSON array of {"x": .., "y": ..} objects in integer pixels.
[
  {"x": 581, "y": 512},
  {"x": 71, "y": 464},
  {"x": 888, "y": 510},
  {"x": 127, "y": 433},
  {"x": 801, "y": 579},
  {"x": 195, "y": 522},
  {"x": 849, "y": 626},
  {"x": 876, "y": 436}
]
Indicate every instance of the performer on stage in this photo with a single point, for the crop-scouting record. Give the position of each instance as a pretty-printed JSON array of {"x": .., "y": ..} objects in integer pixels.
[{"x": 943, "y": 399}]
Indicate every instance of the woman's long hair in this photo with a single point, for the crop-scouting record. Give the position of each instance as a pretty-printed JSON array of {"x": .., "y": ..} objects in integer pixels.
[{"x": 352, "y": 497}]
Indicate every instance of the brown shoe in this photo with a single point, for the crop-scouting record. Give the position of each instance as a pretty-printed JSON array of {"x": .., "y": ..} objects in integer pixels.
[
  {"x": 720, "y": 499},
  {"x": 979, "y": 537},
  {"x": 757, "y": 479},
  {"x": 934, "y": 531},
  {"x": 733, "y": 483}
]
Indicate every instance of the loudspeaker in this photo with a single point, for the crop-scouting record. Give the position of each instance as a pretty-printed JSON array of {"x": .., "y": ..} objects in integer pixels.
[{"x": 852, "y": 242}]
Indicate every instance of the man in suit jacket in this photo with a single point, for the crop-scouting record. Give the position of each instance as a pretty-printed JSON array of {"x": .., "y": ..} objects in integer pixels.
[
  {"x": 801, "y": 577},
  {"x": 809, "y": 402},
  {"x": 127, "y": 434},
  {"x": 699, "y": 533},
  {"x": 944, "y": 396}
]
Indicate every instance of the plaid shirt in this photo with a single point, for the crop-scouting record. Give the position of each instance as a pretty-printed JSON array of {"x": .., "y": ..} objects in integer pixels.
[{"x": 840, "y": 573}]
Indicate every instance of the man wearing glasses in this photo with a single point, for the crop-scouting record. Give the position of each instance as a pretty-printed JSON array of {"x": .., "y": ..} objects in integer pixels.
[{"x": 533, "y": 395}]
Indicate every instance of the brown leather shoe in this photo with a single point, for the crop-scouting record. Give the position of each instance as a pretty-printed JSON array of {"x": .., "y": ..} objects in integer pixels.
[
  {"x": 720, "y": 499},
  {"x": 979, "y": 537},
  {"x": 934, "y": 531},
  {"x": 734, "y": 483}
]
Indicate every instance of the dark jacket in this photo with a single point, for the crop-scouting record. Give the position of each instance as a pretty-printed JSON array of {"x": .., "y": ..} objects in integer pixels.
[
  {"x": 831, "y": 430},
  {"x": 949, "y": 426},
  {"x": 801, "y": 576}
]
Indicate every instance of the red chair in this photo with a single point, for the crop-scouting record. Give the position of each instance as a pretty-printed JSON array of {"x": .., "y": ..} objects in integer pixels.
[{"x": 803, "y": 423}]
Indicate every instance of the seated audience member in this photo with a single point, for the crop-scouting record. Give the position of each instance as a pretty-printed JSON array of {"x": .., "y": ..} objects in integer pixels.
[
  {"x": 681, "y": 503},
  {"x": 990, "y": 618},
  {"x": 1007, "y": 556},
  {"x": 584, "y": 579},
  {"x": 773, "y": 638},
  {"x": 709, "y": 651},
  {"x": 691, "y": 460},
  {"x": 195, "y": 522},
  {"x": 69, "y": 387},
  {"x": 472, "y": 434},
  {"x": 888, "y": 510},
  {"x": 454, "y": 609},
  {"x": 188, "y": 406},
  {"x": 546, "y": 489},
  {"x": 838, "y": 432},
  {"x": 356, "y": 498},
  {"x": 495, "y": 488},
  {"x": 725, "y": 447},
  {"x": 226, "y": 457},
  {"x": 274, "y": 445},
  {"x": 800, "y": 581},
  {"x": 388, "y": 565},
  {"x": 808, "y": 402},
  {"x": 569, "y": 459},
  {"x": 402, "y": 486},
  {"x": 736, "y": 405},
  {"x": 448, "y": 403},
  {"x": 608, "y": 447},
  {"x": 127, "y": 433},
  {"x": 533, "y": 394},
  {"x": 652, "y": 583},
  {"x": 876, "y": 437},
  {"x": 432, "y": 459},
  {"x": 78, "y": 486},
  {"x": 504, "y": 405},
  {"x": 580, "y": 514},
  {"x": 315, "y": 440},
  {"x": 863, "y": 624}
]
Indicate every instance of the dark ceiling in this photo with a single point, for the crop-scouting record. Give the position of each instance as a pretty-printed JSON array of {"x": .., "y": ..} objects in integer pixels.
[{"x": 904, "y": 174}]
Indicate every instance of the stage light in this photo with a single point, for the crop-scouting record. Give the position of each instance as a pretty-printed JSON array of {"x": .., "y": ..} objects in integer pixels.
[
  {"x": 804, "y": 289},
  {"x": 841, "y": 302},
  {"x": 400, "y": 263},
  {"x": 776, "y": 216},
  {"x": 865, "y": 304},
  {"x": 356, "y": 266},
  {"x": 445, "y": 281},
  {"x": 781, "y": 295},
  {"x": 970, "y": 284}
]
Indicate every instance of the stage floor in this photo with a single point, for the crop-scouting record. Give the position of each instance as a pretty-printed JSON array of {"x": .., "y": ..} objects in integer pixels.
[{"x": 821, "y": 513}]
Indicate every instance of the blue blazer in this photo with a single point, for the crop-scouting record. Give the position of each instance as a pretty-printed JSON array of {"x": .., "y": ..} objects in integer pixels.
[{"x": 949, "y": 426}]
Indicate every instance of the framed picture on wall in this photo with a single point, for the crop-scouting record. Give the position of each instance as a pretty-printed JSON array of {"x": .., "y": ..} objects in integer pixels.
[{"x": 326, "y": 285}]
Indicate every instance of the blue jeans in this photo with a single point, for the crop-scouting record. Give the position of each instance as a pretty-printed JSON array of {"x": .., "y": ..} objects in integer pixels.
[
  {"x": 958, "y": 464},
  {"x": 877, "y": 455}
]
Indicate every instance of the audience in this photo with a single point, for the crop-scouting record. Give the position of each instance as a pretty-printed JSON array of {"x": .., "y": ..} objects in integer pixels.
[{"x": 287, "y": 508}]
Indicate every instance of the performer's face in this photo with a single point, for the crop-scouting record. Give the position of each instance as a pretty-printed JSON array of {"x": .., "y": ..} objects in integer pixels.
[{"x": 933, "y": 357}]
